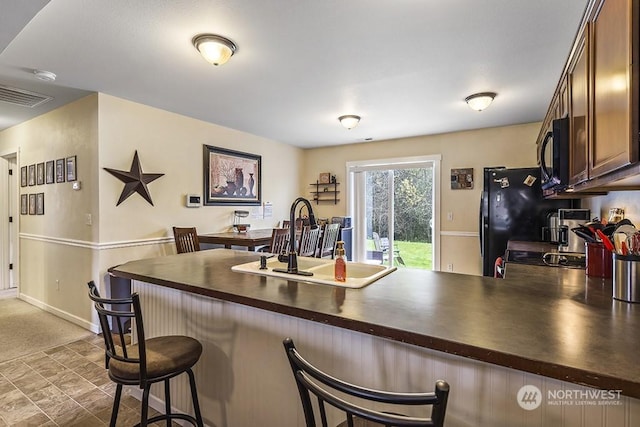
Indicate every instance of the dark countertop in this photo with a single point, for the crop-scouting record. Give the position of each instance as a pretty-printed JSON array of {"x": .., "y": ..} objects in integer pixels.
[{"x": 554, "y": 322}]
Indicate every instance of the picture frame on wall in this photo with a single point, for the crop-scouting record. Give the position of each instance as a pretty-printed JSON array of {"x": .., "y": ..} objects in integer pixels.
[
  {"x": 60, "y": 170},
  {"x": 231, "y": 177},
  {"x": 23, "y": 176},
  {"x": 71, "y": 169},
  {"x": 32, "y": 204},
  {"x": 24, "y": 204},
  {"x": 32, "y": 175},
  {"x": 50, "y": 172},
  {"x": 40, "y": 173},
  {"x": 40, "y": 204}
]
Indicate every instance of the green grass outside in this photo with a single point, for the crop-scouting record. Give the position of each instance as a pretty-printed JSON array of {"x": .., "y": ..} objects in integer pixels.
[{"x": 414, "y": 254}]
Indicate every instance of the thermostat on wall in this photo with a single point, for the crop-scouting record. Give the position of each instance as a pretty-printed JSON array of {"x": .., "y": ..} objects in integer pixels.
[{"x": 193, "y": 200}]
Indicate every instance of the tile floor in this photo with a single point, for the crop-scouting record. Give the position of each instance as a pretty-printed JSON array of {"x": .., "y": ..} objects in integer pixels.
[{"x": 63, "y": 386}]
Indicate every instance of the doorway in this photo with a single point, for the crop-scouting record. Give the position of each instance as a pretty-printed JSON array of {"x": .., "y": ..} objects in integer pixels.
[
  {"x": 9, "y": 221},
  {"x": 394, "y": 203}
]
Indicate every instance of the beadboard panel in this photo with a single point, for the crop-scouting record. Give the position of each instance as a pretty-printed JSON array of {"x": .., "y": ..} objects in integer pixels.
[{"x": 244, "y": 378}]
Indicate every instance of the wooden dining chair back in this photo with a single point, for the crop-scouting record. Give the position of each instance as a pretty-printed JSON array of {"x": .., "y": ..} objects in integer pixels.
[
  {"x": 309, "y": 239},
  {"x": 312, "y": 382},
  {"x": 146, "y": 361},
  {"x": 328, "y": 242},
  {"x": 186, "y": 239},
  {"x": 279, "y": 241}
]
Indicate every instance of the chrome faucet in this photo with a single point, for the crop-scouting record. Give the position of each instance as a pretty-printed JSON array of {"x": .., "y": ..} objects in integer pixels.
[{"x": 292, "y": 261}]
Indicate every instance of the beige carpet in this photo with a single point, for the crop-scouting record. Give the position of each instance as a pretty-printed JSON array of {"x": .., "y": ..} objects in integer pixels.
[{"x": 25, "y": 329}]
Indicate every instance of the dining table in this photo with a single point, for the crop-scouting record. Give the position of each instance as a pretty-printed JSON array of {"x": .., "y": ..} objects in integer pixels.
[{"x": 251, "y": 239}]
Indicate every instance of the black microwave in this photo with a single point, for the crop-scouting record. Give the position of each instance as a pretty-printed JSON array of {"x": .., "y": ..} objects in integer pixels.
[{"x": 554, "y": 156}]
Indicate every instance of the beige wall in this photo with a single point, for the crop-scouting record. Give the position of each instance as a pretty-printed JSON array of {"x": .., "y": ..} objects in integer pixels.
[
  {"x": 55, "y": 254},
  {"x": 59, "y": 252},
  {"x": 510, "y": 146},
  {"x": 628, "y": 200}
]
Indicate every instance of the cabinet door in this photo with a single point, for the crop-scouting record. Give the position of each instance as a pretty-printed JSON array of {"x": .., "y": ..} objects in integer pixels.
[
  {"x": 611, "y": 142},
  {"x": 578, "y": 112}
]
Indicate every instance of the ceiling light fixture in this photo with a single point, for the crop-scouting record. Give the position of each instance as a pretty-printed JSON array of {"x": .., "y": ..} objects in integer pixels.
[
  {"x": 46, "y": 76},
  {"x": 349, "y": 121},
  {"x": 214, "y": 49},
  {"x": 480, "y": 101}
]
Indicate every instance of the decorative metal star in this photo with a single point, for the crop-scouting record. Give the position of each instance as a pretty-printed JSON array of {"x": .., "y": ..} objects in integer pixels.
[{"x": 135, "y": 181}]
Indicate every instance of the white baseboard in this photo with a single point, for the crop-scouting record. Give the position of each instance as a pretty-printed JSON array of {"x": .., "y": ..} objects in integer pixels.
[{"x": 62, "y": 314}]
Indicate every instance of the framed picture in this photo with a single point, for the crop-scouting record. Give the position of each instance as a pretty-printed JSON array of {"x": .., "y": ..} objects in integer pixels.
[
  {"x": 40, "y": 173},
  {"x": 49, "y": 172},
  {"x": 40, "y": 204},
  {"x": 71, "y": 168},
  {"x": 60, "y": 170},
  {"x": 24, "y": 204},
  {"x": 231, "y": 177},
  {"x": 23, "y": 176},
  {"x": 32, "y": 204},
  {"x": 325, "y": 178},
  {"x": 32, "y": 175}
]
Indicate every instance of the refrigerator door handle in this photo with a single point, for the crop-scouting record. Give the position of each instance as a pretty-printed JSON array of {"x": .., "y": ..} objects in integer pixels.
[{"x": 481, "y": 224}]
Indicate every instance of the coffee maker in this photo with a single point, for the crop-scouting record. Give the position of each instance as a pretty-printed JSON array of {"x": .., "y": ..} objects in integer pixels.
[{"x": 568, "y": 219}]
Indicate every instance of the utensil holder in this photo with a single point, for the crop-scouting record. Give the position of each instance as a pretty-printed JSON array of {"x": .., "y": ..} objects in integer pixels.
[
  {"x": 626, "y": 277},
  {"x": 599, "y": 261}
]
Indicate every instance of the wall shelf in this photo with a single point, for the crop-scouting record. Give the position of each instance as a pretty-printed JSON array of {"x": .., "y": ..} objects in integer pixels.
[{"x": 325, "y": 192}]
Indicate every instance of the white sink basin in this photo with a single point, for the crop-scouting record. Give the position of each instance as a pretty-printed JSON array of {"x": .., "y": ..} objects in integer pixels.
[{"x": 358, "y": 274}]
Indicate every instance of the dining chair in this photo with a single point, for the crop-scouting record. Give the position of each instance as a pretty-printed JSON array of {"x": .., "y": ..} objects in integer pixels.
[
  {"x": 186, "y": 239},
  {"x": 146, "y": 361},
  {"x": 279, "y": 241},
  {"x": 327, "y": 246},
  {"x": 308, "y": 243},
  {"x": 331, "y": 392}
]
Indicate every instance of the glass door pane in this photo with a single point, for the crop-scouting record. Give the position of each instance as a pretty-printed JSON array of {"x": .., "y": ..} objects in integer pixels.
[{"x": 399, "y": 217}]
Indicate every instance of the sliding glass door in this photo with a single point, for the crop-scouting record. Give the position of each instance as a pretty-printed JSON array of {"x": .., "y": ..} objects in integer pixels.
[{"x": 392, "y": 202}]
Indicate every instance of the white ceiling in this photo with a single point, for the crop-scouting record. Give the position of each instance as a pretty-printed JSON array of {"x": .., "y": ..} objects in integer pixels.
[{"x": 405, "y": 66}]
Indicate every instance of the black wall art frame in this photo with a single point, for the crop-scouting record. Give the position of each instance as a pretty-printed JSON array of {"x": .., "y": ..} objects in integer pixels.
[
  {"x": 231, "y": 177},
  {"x": 60, "y": 170}
]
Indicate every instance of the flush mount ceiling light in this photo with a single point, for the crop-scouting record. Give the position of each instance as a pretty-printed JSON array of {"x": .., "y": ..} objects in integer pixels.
[
  {"x": 46, "y": 76},
  {"x": 214, "y": 49},
  {"x": 480, "y": 101},
  {"x": 349, "y": 121}
]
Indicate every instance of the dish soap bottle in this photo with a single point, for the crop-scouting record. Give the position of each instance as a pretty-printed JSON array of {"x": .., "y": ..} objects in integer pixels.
[{"x": 340, "y": 270}]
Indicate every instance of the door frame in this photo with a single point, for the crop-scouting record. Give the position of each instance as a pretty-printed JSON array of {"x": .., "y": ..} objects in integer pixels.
[
  {"x": 356, "y": 181},
  {"x": 9, "y": 207}
]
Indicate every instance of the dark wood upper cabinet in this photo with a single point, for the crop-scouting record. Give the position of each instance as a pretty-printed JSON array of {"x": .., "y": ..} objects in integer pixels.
[
  {"x": 600, "y": 93},
  {"x": 578, "y": 75},
  {"x": 612, "y": 145}
]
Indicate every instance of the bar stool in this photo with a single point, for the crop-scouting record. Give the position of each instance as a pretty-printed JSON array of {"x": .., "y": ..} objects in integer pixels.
[
  {"x": 147, "y": 361},
  {"x": 312, "y": 381}
]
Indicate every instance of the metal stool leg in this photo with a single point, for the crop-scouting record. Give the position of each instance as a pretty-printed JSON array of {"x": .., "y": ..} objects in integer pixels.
[
  {"x": 167, "y": 401},
  {"x": 194, "y": 397},
  {"x": 116, "y": 405}
]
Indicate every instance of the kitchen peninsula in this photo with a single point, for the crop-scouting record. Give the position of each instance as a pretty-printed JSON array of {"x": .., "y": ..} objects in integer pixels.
[{"x": 550, "y": 327}]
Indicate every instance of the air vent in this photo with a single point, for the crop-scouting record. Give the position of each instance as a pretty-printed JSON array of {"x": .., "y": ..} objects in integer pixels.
[{"x": 22, "y": 97}]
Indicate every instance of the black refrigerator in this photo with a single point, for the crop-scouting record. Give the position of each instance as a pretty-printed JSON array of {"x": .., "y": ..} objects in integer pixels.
[{"x": 512, "y": 208}]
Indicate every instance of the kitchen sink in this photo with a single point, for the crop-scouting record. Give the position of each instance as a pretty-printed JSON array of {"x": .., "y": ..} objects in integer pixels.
[{"x": 358, "y": 274}]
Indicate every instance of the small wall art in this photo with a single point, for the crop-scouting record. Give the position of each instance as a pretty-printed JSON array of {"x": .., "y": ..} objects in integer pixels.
[
  {"x": 24, "y": 204},
  {"x": 40, "y": 204},
  {"x": 71, "y": 169},
  {"x": 50, "y": 172},
  {"x": 32, "y": 204},
  {"x": 23, "y": 176},
  {"x": 462, "y": 178},
  {"x": 60, "y": 170},
  {"x": 32, "y": 175},
  {"x": 40, "y": 173}
]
